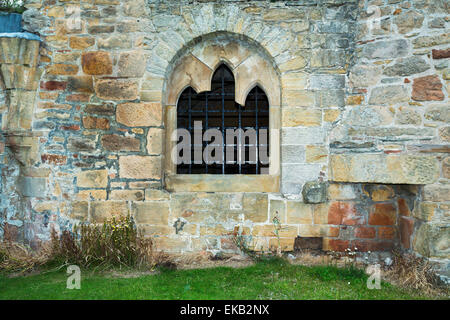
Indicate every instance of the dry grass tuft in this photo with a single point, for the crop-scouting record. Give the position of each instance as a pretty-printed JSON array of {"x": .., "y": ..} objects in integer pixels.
[
  {"x": 15, "y": 257},
  {"x": 412, "y": 272}
]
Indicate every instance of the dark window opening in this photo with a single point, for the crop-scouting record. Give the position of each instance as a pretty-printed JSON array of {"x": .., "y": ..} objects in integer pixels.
[{"x": 217, "y": 109}]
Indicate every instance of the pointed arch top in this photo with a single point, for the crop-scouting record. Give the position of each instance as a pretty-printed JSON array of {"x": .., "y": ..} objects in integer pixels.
[{"x": 194, "y": 66}]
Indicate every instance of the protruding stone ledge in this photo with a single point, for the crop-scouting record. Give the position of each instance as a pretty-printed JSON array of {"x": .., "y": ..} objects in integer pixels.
[{"x": 381, "y": 168}]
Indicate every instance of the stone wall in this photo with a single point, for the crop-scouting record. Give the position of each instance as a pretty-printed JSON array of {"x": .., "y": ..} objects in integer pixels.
[{"x": 364, "y": 114}]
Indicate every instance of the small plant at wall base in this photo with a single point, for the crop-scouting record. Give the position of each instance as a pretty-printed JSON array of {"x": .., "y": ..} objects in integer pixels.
[
  {"x": 12, "y": 6},
  {"x": 116, "y": 243}
]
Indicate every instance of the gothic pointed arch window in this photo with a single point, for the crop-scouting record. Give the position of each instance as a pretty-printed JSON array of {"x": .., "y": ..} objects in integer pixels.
[
  {"x": 218, "y": 84},
  {"x": 224, "y": 137}
]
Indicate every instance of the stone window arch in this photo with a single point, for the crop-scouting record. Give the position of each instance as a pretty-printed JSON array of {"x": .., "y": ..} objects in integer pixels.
[{"x": 194, "y": 67}]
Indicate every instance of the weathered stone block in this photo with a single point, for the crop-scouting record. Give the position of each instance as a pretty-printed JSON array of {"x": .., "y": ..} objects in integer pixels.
[
  {"x": 344, "y": 213},
  {"x": 436, "y": 192},
  {"x": 380, "y": 168},
  {"x": 106, "y": 210},
  {"x": 299, "y": 213},
  {"x": 32, "y": 186},
  {"x": 105, "y": 109},
  {"x": 96, "y": 123},
  {"x": 96, "y": 63},
  {"x": 154, "y": 212},
  {"x": 115, "y": 142},
  {"x": 342, "y": 191},
  {"x": 81, "y": 43},
  {"x": 255, "y": 207},
  {"x": 441, "y": 54},
  {"x": 62, "y": 69},
  {"x": 314, "y": 192},
  {"x": 80, "y": 144},
  {"x": 156, "y": 195},
  {"x": 130, "y": 195},
  {"x": 131, "y": 64},
  {"x": 277, "y": 209},
  {"x": 316, "y": 154},
  {"x": 116, "y": 89},
  {"x": 155, "y": 141},
  {"x": 92, "y": 179},
  {"x": 438, "y": 113},
  {"x": 386, "y": 49},
  {"x": 389, "y": 95},
  {"x": 383, "y": 214},
  {"x": 430, "y": 41},
  {"x": 80, "y": 84},
  {"x": 427, "y": 88},
  {"x": 425, "y": 210},
  {"x": 365, "y": 232},
  {"x": 80, "y": 211},
  {"x": 432, "y": 240},
  {"x": 305, "y": 117},
  {"x": 140, "y": 167},
  {"x": 406, "y": 67},
  {"x": 19, "y": 51},
  {"x": 20, "y": 77},
  {"x": 139, "y": 114},
  {"x": 408, "y": 21},
  {"x": 268, "y": 230}
]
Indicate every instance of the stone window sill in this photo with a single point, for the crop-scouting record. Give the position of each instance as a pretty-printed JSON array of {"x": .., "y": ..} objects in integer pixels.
[{"x": 222, "y": 183}]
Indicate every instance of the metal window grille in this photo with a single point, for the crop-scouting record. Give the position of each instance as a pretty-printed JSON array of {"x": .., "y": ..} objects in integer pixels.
[{"x": 217, "y": 109}]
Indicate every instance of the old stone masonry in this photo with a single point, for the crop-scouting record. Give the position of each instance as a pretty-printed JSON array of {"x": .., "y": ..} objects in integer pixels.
[{"x": 357, "y": 110}]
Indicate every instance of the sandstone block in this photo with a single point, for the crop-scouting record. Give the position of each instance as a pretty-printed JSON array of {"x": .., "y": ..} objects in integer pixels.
[
  {"x": 379, "y": 168},
  {"x": 140, "y": 167},
  {"x": 116, "y": 89},
  {"x": 305, "y": 117},
  {"x": 101, "y": 211},
  {"x": 389, "y": 95},
  {"x": 130, "y": 195},
  {"x": 96, "y": 63},
  {"x": 152, "y": 212},
  {"x": 139, "y": 114},
  {"x": 96, "y": 123},
  {"x": 131, "y": 64},
  {"x": 427, "y": 88},
  {"x": 299, "y": 213},
  {"x": 115, "y": 142},
  {"x": 155, "y": 141},
  {"x": 92, "y": 179}
]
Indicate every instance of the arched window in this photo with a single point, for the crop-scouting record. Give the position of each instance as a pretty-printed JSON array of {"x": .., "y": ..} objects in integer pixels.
[{"x": 243, "y": 144}]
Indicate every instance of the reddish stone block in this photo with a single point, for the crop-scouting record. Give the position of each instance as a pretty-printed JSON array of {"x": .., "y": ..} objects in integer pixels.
[
  {"x": 372, "y": 245},
  {"x": 344, "y": 213},
  {"x": 95, "y": 123},
  {"x": 365, "y": 232},
  {"x": 406, "y": 230},
  {"x": 441, "y": 54},
  {"x": 55, "y": 159},
  {"x": 383, "y": 214},
  {"x": 338, "y": 245},
  {"x": 386, "y": 233},
  {"x": 403, "y": 208},
  {"x": 428, "y": 88},
  {"x": 53, "y": 85},
  {"x": 73, "y": 127},
  {"x": 96, "y": 63}
]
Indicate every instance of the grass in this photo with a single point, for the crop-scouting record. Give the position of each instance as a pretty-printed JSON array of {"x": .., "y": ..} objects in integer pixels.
[{"x": 273, "y": 279}]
